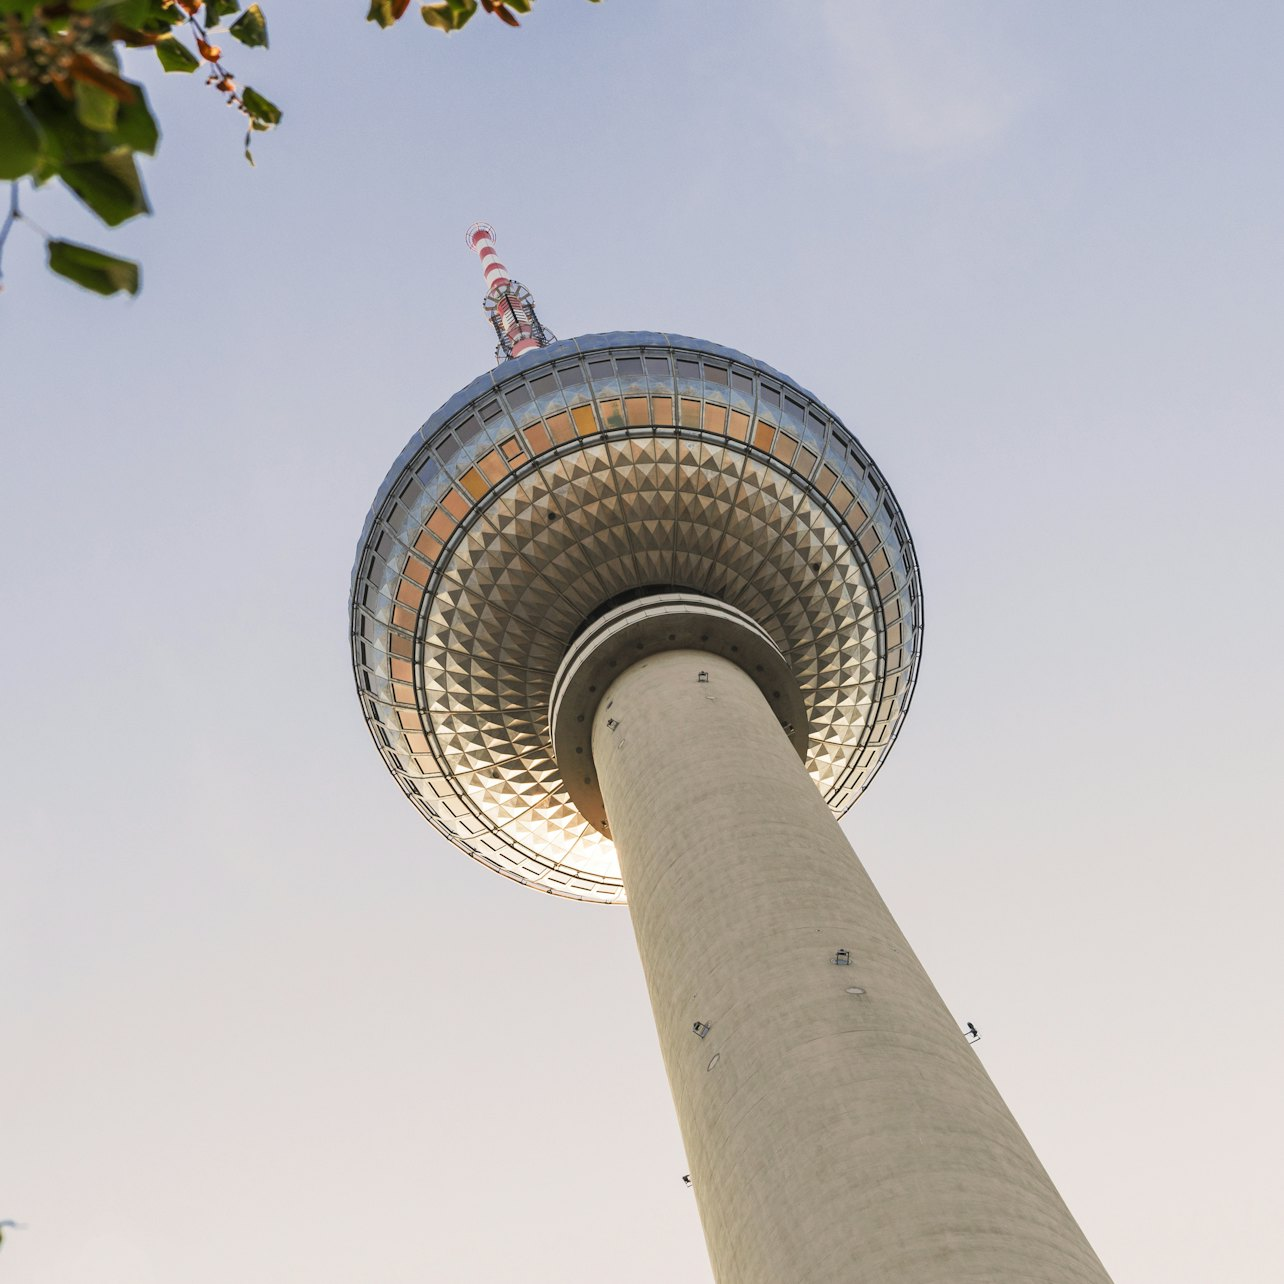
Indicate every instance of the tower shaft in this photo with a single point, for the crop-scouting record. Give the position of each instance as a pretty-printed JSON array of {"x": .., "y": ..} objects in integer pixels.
[{"x": 837, "y": 1123}]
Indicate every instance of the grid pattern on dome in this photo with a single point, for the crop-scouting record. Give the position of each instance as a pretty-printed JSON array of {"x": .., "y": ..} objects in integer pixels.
[{"x": 572, "y": 475}]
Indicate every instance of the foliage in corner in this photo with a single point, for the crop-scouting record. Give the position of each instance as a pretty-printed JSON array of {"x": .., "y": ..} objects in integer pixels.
[
  {"x": 449, "y": 15},
  {"x": 67, "y": 113}
]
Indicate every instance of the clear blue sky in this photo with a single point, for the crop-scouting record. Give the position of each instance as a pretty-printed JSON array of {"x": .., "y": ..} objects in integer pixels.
[{"x": 260, "y": 1023}]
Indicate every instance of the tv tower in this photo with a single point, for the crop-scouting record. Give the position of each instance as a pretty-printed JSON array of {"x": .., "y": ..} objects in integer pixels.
[{"x": 635, "y": 616}]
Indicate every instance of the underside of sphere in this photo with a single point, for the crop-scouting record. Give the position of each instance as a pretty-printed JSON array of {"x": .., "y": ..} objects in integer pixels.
[{"x": 572, "y": 478}]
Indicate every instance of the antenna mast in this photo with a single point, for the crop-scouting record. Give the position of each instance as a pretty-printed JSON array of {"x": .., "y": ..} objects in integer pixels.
[{"x": 508, "y": 303}]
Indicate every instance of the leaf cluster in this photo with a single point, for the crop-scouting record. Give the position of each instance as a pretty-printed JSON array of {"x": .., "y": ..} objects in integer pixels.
[
  {"x": 68, "y": 114},
  {"x": 449, "y": 15}
]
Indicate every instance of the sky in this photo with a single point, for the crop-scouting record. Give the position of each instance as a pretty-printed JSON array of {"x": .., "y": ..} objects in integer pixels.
[{"x": 260, "y": 1022}]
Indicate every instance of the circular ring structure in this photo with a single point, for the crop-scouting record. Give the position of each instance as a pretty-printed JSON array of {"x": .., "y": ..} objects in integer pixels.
[
  {"x": 577, "y": 475},
  {"x": 646, "y": 627}
]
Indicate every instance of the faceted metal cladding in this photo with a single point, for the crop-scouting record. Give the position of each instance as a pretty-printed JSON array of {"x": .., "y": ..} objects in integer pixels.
[{"x": 570, "y": 478}]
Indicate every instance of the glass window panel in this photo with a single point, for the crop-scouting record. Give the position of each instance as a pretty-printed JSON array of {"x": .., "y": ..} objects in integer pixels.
[
  {"x": 742, "y": 382},
  {"x": 762, "y": 435},
  {"x": 491, "y": 466},
  {"x": 688, "y": 369},
  {"x": 560, "y": 426},
  {"x": 511, "y": 447},
  {"x": 635, "y": 408},
  {"x": 612, "y": 414},
  {"x": 629, "y": 365},
  {"x": 715, "y": 374},
  {"x": 403, "y": 669},
  {"x": 662, "y": 410},
  {"x": 544, "y": 385},
  {"x": 518, "y": 395},
  {"x": 601, "y": 369},
  {"x": 453, "y": 502},
  {"x": 739, "y": 426},
  {"x": 585, "y": 422},
  {"x": 715, "y": 418},
  {"x": 538, "y": 439},
  {"x": 403, "y": 617},
  {"x": 784, "y": 446},
  {"x": 658, "y": 367},
  {"x": 805, "y": 461},
  {"x": 690, "y": 412},
  {"x": 769, "y": 394}
]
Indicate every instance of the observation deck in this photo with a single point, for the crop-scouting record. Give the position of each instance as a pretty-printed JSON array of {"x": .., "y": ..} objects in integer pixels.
[{"x": 576, "y": 477}]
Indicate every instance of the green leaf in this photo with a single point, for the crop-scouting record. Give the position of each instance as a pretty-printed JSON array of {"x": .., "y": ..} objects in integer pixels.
[
  {"x": 250, "y": 28},
  {"x": 216, "y": 10},
  {"x": 448, "y": 15},
  {"x": 110, "y": 186},
  {"x": 95, "y": 108},
  {"x": 520, "y": 6},
  {"x": 386, "y": 12},
  {"x": 93, "y": 269},
  {"x": 136, "y": 126},
  {"x": 65, "y": 138},
  {"x": 174, "y": 55},
  {"x": 19, "y": 136},
  {"x": 259, "y": 109}
]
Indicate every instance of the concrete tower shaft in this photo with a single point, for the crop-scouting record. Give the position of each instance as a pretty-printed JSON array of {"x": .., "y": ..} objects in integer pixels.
[{"x": 837, "y": 1125}]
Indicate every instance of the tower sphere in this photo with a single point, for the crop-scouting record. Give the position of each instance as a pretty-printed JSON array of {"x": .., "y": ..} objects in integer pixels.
[{"x": 576, "y": 478}]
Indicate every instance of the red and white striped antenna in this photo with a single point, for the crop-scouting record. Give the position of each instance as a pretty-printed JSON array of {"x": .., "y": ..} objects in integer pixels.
[{"x": 508, "y": 303}]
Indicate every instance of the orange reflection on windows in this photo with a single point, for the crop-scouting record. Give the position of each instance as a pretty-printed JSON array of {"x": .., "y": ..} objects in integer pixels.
[
  {"x": 428, "y": 545},
  {"x": 410, "y": 594},
  {"x": 491, "y": 466},
  {"x": 455, "y": 504},
  {"x": 805, "y": 461},
  {"x": 403, "y": 617},
  {"x": 511, "y": 447},
  {"x": 662, "y": 410},
  {"x": 409, "y": 719},
  {"x": 403, "y": 693},
  {"x": 784, "y": 446},
  {"x": 612, "y": 414},
  {"x": 762, "y": 435},
  {"x": 399, "y": 644},
  {"x": 441, "y": 523},
  {"x": 635, "y": 410},
  {"x": 538, "y": 439},
  {"x": 715, "y": 418},
  {"x": 689, "y": 413},
  {"x": 826, "y": 479},
  {"x": 843, "y": 499},
  {"x": 560, "y": 426},
  {"x": 401, "y": 670},
  {"x": 739, "y": 428},
  {"x": 474, "y": 483},
  {"x": 585, "y": 422},
  {"x": 415, "y": 570},
  {"x": 417, "y": 741}
]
